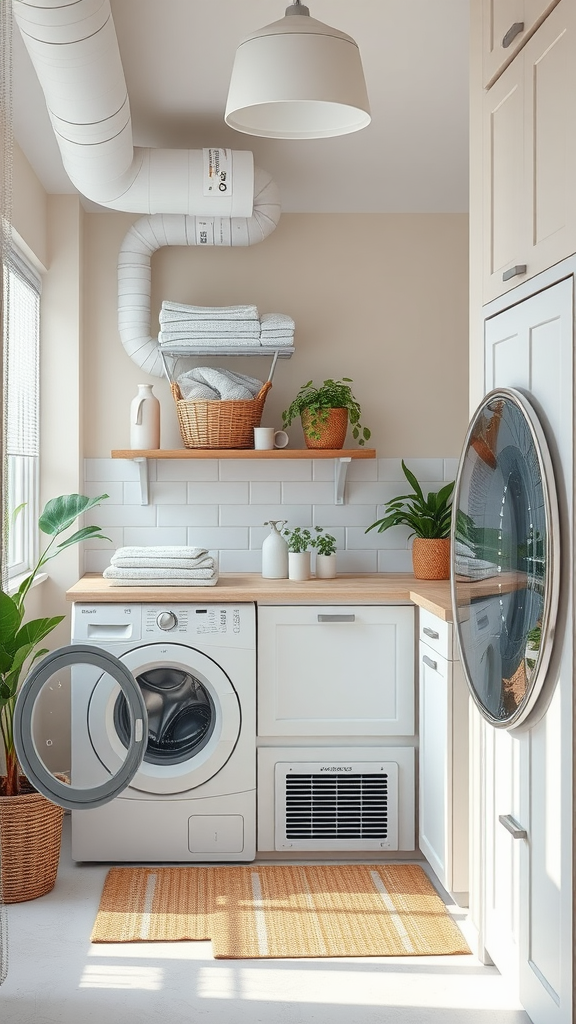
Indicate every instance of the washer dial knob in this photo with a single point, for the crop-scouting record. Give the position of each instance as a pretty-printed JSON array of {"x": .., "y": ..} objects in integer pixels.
[{"x": 166, "y": 620}]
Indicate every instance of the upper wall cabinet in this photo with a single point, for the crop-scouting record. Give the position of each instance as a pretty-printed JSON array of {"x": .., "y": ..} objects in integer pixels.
[
  {"x": 529, "y": 145},
  {"x": 507, "y": 24}
]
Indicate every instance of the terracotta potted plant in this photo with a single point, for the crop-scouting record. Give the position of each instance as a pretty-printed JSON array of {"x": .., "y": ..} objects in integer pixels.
[
  {"x": 30, "y": 825},
  {"x": 429, "y": 518},
  {"x": 325, "y": 412}
]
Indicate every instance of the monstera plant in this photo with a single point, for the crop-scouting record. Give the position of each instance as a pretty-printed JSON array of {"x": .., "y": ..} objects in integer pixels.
[{"x": 20, "y": 641}]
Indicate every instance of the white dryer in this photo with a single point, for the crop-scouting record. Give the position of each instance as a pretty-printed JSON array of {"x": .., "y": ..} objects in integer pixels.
[{"x": 193, "y": 798}]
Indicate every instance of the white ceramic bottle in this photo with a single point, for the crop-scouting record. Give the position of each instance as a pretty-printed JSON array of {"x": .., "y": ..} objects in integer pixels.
[
  {"x": 275, "y": 552},
  {"x": 145, "y": 419}
]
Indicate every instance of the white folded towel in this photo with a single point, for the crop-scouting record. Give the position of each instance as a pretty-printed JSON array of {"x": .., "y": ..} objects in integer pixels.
[
  {"x": 146, "y": 581},
  {"x": 277, "y": 322},
  {"x": 202, "y": 562},
  {"x": 169, "y": 341},
  {"x": 207, "y": 328},
  {"x": 159, "y": 551},
  {"x": 213, "y": 312},
  {"x": 117, "y": 572},
  {"x": 276, "y": 342},
  {"x": 225, "y": 385}
]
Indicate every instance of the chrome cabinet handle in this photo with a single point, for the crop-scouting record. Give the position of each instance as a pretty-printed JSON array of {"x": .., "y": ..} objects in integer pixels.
[
  {"x": 431, "y": 633},
  {"x": 512, "y": 826},
  {"x": 512, "y": 32},
  {"x": 336, "y": 618},
  {"x": 514, "y": 272},
  {"x": 428, "y": 661}
]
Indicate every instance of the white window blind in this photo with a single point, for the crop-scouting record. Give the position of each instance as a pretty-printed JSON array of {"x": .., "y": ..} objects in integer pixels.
[{"x": 22, "y": 287}]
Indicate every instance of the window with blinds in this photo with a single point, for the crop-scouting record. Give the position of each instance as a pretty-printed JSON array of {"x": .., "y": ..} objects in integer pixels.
[{"x": 21, "y": 299}]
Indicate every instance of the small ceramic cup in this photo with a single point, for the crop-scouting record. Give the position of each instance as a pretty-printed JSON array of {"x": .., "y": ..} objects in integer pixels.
[{"x": 266, "y": 438}]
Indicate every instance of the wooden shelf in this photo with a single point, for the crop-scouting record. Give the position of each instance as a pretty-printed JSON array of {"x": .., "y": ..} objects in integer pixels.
[
  {"x": 341, "y": 456},
  {"x": 244, "y": 453}
]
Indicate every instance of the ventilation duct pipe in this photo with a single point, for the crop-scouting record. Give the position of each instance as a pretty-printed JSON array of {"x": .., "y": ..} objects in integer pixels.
[{"x": 197, "y": 197}]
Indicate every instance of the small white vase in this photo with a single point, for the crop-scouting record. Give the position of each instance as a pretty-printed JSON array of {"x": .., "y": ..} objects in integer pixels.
[
  {"x": 145, "y": 419},
  {"x": 299, "y": 565},
  {"x": 325, "y": 567},
  {"x": 275, "y": 552}
]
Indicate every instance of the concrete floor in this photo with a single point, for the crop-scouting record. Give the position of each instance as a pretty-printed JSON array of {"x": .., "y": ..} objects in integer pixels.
[{"x": 56, "y": 977}]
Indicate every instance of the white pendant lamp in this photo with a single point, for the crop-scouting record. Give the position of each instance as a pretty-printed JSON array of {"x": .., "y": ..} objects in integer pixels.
[{"x": 297, "y": 79}]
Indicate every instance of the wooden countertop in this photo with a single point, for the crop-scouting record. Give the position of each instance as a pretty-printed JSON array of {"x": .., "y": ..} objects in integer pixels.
[{"x": 433, "y": 595}]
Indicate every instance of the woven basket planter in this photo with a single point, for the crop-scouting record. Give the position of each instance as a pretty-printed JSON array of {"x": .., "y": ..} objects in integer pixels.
[
  {"x": 431, "y": 558},
  {"x": 30, "y": 836},
  {"x": 228, "y": 424},
  {"x": 332, "y": 430}
]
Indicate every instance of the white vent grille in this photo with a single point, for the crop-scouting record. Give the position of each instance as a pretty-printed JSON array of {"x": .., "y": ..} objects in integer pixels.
[{"x": 337, "y": 806}]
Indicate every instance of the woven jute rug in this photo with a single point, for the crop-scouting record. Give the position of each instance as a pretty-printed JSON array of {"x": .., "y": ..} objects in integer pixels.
[{"x": 281, "y": 911}]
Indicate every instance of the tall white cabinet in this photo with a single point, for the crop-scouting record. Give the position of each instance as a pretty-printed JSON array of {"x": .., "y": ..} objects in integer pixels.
[{"x": 527, "y": 773}]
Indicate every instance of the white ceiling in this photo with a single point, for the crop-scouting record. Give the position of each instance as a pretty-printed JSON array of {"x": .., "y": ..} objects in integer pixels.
[{"x": 178, "y": 55}]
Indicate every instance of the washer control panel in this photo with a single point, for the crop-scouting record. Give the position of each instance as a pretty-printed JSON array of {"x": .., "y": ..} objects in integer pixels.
[
  {"x": 220, "y": 625},
  {"x": 166, "y": 620}
]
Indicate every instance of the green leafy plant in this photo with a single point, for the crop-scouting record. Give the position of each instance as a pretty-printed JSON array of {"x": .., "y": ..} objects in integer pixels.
[
  {"x": 19, "y": 641},
  {"x": 324, "y": 543},
  {"x": 299, "y": 540},
  {"x": 428, "y": 517},
  {"x": 332, "y": 394}
]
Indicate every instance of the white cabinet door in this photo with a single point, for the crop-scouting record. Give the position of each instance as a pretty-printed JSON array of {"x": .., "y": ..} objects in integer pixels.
[
  {"x": 338, "y": 671},
  {"x": 443, "y": 769},
  {"x": 507, "y": 24},
  {"x": 529, "y": 158},
  {"x": 528, "y": 881}
]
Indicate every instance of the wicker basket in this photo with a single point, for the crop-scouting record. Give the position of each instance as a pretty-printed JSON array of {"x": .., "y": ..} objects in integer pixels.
[
  {"x": 431, "y": 558},
  {"x": 30, "y": 833},
  {"x": 228, "y": 424}
]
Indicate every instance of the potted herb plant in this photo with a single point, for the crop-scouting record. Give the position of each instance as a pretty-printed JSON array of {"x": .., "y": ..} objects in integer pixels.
[
  {"x": 325, "y": 545},
  {"x": 325, "y": 412},
  {"x": 429, "y": 518},
  {"x": 300, "y": 542},
  {"x": 30, "y": 825}
]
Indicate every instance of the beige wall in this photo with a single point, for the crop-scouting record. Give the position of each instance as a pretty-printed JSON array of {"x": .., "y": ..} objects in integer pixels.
[
  {"x": 380, "y": 298},
  {"x": 29, "y": 209}
]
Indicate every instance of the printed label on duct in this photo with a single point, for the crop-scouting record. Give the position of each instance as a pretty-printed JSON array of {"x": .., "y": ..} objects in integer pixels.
[
  {"x": 216, "y": 172},
  {"x": 204, "y": 230}
]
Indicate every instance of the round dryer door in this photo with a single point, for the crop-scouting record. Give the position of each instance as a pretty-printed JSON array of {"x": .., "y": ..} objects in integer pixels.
[
  {"x": 505, "y": 558},
  {"x": 193, "y": 712},
  {"x": 43, "y": 734}
]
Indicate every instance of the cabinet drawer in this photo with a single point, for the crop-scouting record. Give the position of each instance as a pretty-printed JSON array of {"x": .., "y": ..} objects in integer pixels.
[
  {"x": 437, "y": 634},
  {"x": 336, "y": 671}
]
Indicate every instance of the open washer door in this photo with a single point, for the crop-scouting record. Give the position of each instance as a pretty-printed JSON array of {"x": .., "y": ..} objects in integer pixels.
[
  {"x": 34, "y": 729},
  {"x": 505, "y": 557}
]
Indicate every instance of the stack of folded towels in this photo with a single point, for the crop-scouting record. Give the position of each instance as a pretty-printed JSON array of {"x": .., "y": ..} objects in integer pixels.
[
  {"x": 211, "y": 383},
  {"x": 192, "y": 327},
  {"x": 207, "y": 326},
  {"x": 165, "y": 566}
]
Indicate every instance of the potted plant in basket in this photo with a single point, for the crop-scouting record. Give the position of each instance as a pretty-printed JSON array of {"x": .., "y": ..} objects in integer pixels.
[
  {"x": 26, "y": 817},
  {"x": 325, "y": 545},
  {"x": 325, "y": 412},
  {"x": 429, "y": 519}
]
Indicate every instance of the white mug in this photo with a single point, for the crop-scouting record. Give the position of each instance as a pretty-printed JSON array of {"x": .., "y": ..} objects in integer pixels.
[{"x": 266, "y": 438}]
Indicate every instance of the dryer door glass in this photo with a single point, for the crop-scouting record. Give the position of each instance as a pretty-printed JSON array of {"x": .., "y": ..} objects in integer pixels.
[
  {"x": 505, "y": 557},
  {"x": 42, "y": 727},
  {"x": 180, "y": 710}
]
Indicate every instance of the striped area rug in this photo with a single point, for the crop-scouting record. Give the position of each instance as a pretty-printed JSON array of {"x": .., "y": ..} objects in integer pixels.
[{"x": 281, "y": 911}]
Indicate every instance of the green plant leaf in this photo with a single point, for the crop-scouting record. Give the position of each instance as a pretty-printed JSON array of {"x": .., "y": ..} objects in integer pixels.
[
  {"x": 35, "y": 630},
  {"x": 10, "y": 619},
  {"x": 59, "y": 513},
  {"x": 413, "y": 482},
  {"x": 93, "y": 532}
]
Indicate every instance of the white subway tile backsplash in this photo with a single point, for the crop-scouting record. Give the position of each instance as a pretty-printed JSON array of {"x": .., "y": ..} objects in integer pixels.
[
  {"x": 218, "y": 492},
  {"x": 395, "y": 561},
  {"x": 187, "y": 469},
  {"x": 188, "y": 515},
  {"x": 223, "y": 506},
  {"x": 265, "y": 493},
  {"x": 218, "y": 537},
  {"x": 266, "y": 469},
  {"x": 256, "y": 515},
  {"x": 315, "y": 493}
]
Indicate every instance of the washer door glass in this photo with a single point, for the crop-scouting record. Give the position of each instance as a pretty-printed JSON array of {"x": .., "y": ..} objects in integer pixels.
[
  {"x": 505, "y": 557},
  {"x": 43, "y": 729}
]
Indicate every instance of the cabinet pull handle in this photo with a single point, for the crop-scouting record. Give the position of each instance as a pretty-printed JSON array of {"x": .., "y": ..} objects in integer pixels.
[
  {"x": 336, "y": 618},
  {"x": 514, "y": 272},
  {"x": 428, "y": 661},
  {"x": 512, "y": 826},
  {"x": 512, "y": 32},
  {"x": 431, "y": 633}
]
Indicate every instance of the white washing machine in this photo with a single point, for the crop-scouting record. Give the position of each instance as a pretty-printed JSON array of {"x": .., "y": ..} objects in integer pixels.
[{"x": 193, "y": 798}]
